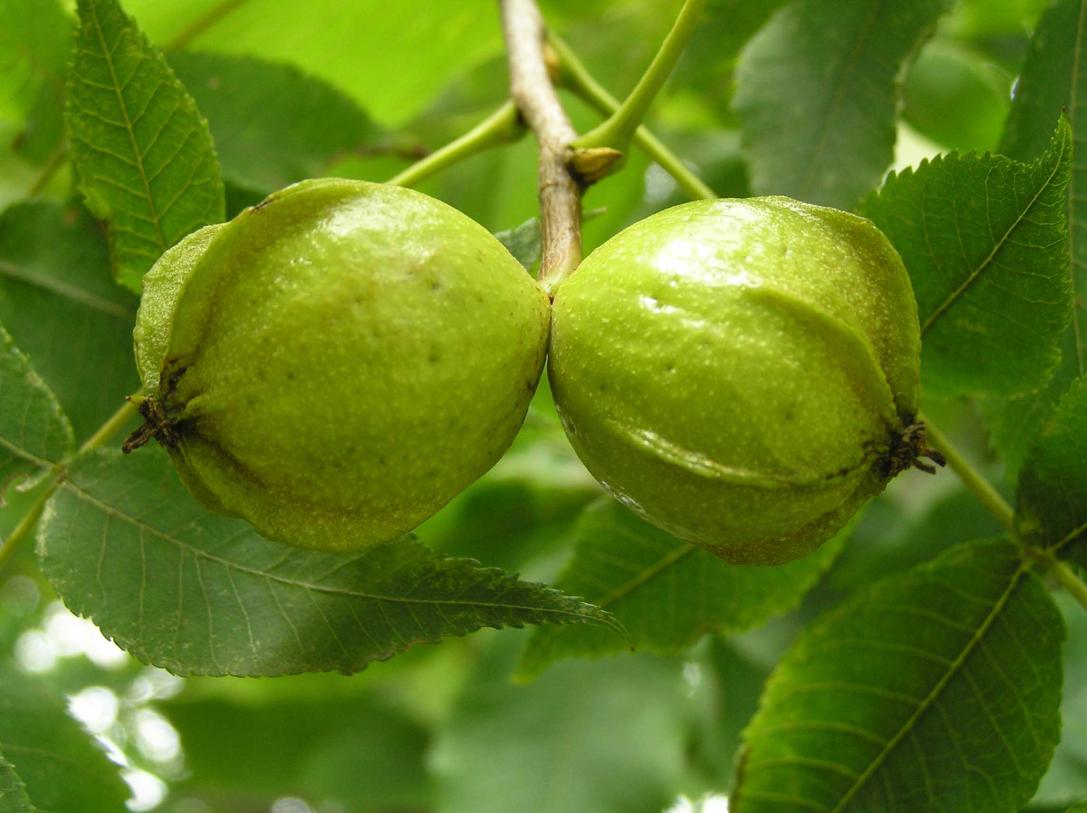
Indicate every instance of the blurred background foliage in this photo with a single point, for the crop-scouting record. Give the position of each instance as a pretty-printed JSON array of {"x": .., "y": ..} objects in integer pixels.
[{"x": 361, "y": 89}]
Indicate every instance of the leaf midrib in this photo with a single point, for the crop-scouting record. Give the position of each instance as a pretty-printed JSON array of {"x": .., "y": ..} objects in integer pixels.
[
  {"x": 309, "y": 586},
  {"x": 930, "y": 698},
  {"x": 974, "y": 275},
  {"x": 107, "y": 56},
  {"x": 66, "y": 290}
]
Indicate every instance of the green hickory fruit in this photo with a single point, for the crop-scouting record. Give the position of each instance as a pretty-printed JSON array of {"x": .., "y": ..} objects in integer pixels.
[
  {"x": 339, "y": 361},
  {"x": 742, "y": 373}
]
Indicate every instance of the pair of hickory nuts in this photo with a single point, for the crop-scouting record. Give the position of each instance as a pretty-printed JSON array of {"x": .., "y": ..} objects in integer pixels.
[{"x": 339, "y": 361}]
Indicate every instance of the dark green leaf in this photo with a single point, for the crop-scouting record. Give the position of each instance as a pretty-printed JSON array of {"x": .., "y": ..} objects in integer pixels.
[
  {"x": 1053, "y": 79},
  {"x": 666, "y": 592},
  {"x": 197, "y": 593},
  {"x": 64, "y": 311},
  {"x": 523, "y": 242},
  {"x": 935, "y": 691},
  {"x": 33, "y": 430},
  {"x": 13, "y": 798},
  {"x": 61, "y": 767},
  {"x": 35, "y": 37},
  {"x": 354, "y": 751},
  {"x": 142, "y": 150},
  {"x": 985, "y": 242},
  {"x": 602, "y": 737},
  {"x": 816, "y": 94},
  {"x": 272, "y": 124},
  {"x": 1052, "y": 499}
]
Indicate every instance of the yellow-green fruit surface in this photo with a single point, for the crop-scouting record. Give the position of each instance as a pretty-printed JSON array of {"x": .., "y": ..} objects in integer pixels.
[
  {"x": 739, "y": 372},
  {"x": 342, "y": 360}
]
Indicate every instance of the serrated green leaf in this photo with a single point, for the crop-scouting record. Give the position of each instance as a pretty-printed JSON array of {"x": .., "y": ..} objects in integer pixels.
[
  {"x": 35, "y": 37},
  {"x": 64, "y": 311},
  {"x": 985, "y": 241},
  {"x": 141, "y": 149},
  {"x": 1051, "y": 506},
  {"x": 935, "y": 691},
  {"x": 1053, "y": 81},
  {"x": 666, "y": 592},
  {"x": 62, "y": 768},
  {"x": 603, "y": 737},
  {"x": 13, "y": 798},
  {"x": 816, "y": 95},
  {"x": 272, "y": 123},
  {"x": 34, "y": 432},
  {"x": 195, "y": 593}
]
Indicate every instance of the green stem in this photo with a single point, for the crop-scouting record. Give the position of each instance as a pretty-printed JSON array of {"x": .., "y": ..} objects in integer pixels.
[
  {"x": 26, "y": 524},
  {"x": 501, "y": 127},
  {"x": 618, "y": 129},
  {"x": 574, "y": 75},
  {"x": 1067, "y": 578},
  {"x": 114, "y": 424},
  {"x": 56, "y": 161},
  {"x": 972, "y": 479}
]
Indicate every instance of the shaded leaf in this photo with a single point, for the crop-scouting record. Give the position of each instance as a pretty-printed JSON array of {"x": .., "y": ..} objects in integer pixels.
[
  {"x": 666, "y": 592},
  {"x": 725, "y": 27},
  {"x": 603, "y": 737},
  {"x": 33, "y": 430},
  {"x": 816, "y": 95},
  {"x": 140, "y": 147},
  {"x": 955, "y": 97},
  {"x": 1051, "y": 505},
  {"x": 195, "y": 593},
  {"x": 272, "y": 124},
  {"x": 523, "y": 242},
  {"x": 64, "y": 311},
  {"x": 935, "y": 690},
  {"x": 62, "y": 768},
  {"x": 388, "y": 57},
  {"x": 985, "y": 242},
  {"x": 13, "y": 798},
  {"x": 1053, "y": 81},
  {"x": 35, "y": 38},
  {"x": 1066, "y": 780},
  {"x": 355, "y": 751}
]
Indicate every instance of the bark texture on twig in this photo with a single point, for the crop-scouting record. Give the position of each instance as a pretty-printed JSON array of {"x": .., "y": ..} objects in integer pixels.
[{"x": 538, "y": 103}]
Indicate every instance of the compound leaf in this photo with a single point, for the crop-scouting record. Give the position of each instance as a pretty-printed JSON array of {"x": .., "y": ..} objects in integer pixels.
[
  {"x": 817, "y": 95},
  {"x": 666, "y": 592},
  {"x": 64, "y": 311},
  {"x": 141, "y": 149},
  {"x": 196, "y": 593},
  {"x": 1052, "y": 498},
  {"x": 60, "y": 767},
  {"x": 985, "y": 242},
  {"x": 936, "y": 691},
  {"x": 33, "y": 430}
]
